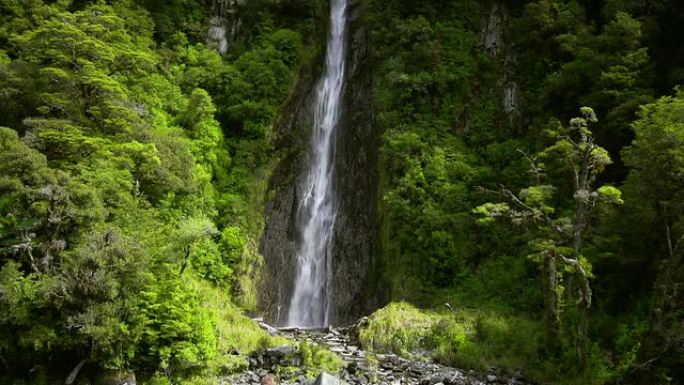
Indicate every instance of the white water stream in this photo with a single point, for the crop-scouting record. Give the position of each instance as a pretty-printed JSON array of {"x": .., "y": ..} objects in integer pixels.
[{"x": 310, "y": 304}]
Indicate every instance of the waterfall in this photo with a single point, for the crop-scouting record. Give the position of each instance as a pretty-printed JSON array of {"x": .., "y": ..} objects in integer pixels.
[{"x": 310, "y": 304}]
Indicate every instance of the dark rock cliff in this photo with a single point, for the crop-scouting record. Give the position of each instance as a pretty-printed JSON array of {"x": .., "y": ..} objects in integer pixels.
[{"x": 355, "y": 236}]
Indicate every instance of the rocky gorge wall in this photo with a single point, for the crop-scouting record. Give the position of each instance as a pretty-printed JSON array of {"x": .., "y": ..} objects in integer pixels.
[
  {"x": 355, "y": 237},
  {"x": 224, "y": 24}
]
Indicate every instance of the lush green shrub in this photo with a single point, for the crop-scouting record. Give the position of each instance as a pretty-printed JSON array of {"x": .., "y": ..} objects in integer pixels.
[
  {"x": 117, "y": 242},
  {"x": 398, "y": 328},
  {"x": 179, "y": 332},
  {"x": 319, "y": 359}
]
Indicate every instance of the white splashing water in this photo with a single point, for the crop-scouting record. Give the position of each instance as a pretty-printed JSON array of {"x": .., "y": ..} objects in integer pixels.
[{"x": 310, "y": 304}]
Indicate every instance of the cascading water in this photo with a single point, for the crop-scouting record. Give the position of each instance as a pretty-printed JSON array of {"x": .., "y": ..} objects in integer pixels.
[{"x": 310, "y": 304}]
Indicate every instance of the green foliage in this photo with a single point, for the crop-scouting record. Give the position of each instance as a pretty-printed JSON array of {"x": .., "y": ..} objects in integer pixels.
[
  {"x": 397, "y": 328},
  {"x": 319, "y": 359},
  {"x": 610, "y": 194},
  {"x": 438, "y": 112},
  {"x": 655, "y": 154},
  {"x": 557, "y": 240},
  {"x": 172, "y": 16},
  {"x": 479, "y": 340},
  {"x": 605, "y": 66},
  {"x": 539, "y": 196},
  {"x": 443, "y": 134},
  {"x": 127, "y": 218},
  {"x": 134, "y": 165},
  {"x": 489, "y": 211},
  {"x": 465, "y": 338},
  {"x": 653, "y": 196},
  {"x": 178, "y": 333}
]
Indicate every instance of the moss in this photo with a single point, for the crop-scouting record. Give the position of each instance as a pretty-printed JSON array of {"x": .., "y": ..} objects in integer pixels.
[
  {"x": 250, "y": 264},
  {"x": 398, "y": 328},
  {"x": 317, "y": 359},
  {"x": 245, "y": 288}
]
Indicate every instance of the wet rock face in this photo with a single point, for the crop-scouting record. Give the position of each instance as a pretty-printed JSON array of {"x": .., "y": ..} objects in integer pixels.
[
  {"x": 356, "y": 146},
  {"x": 494, "y": 43},
  {"x": 225, "y": 24},
  {"x": 492, "y": 27},
  {"x": 279, "y": 240},
  {"x": 355, "y": 236}
]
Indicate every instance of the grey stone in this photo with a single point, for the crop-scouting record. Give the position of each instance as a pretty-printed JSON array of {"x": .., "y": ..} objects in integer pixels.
[
  {"x": 255, "y": 377},
  {"x": 269, "y": 329},
  {"x": 280, "y": 351},
  {"x": 328, "y": 379},
  {"x": 398, "y": 371}
]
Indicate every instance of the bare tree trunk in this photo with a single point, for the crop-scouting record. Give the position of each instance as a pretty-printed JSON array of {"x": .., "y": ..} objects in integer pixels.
[
  {"x": 583, "y": 305},
  {"x": 581, "y": 221},
  {"x": 550, "y": 279}
]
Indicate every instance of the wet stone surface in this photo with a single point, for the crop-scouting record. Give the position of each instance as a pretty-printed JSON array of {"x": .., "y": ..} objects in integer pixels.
[{"x": 360, "y": 368}]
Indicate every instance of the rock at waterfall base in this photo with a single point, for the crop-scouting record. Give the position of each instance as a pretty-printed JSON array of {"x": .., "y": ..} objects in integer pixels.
[
  {"x": 328, "y": 379},
  {"x": 280, "y": 351}
]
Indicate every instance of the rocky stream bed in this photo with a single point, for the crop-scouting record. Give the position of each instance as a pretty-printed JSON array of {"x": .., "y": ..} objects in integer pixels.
[{"x": 360, "y": 367}]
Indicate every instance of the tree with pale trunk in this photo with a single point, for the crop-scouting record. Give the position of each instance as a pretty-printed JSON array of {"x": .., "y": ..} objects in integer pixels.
[{"x": 559, "y": 231}]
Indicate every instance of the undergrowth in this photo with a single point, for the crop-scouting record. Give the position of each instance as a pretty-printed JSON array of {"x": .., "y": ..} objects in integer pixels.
[
  {"x": 319, "y": 359},
  {"x": 478, "y": 339}
]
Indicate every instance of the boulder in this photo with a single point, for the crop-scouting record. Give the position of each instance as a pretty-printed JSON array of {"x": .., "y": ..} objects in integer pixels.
[
  {"x": 328, "y": 379},
  {"x": 434, "y": 379},
  {"x": 268, "y": 328},
  {"x": 280, "y": 351}
]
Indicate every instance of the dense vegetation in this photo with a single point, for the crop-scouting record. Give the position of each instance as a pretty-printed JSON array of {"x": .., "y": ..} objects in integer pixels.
[
  {"x": 134, "y": 161},
  {"x": 131, "y": 164},
  {"x": 509, "y": 208}
]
